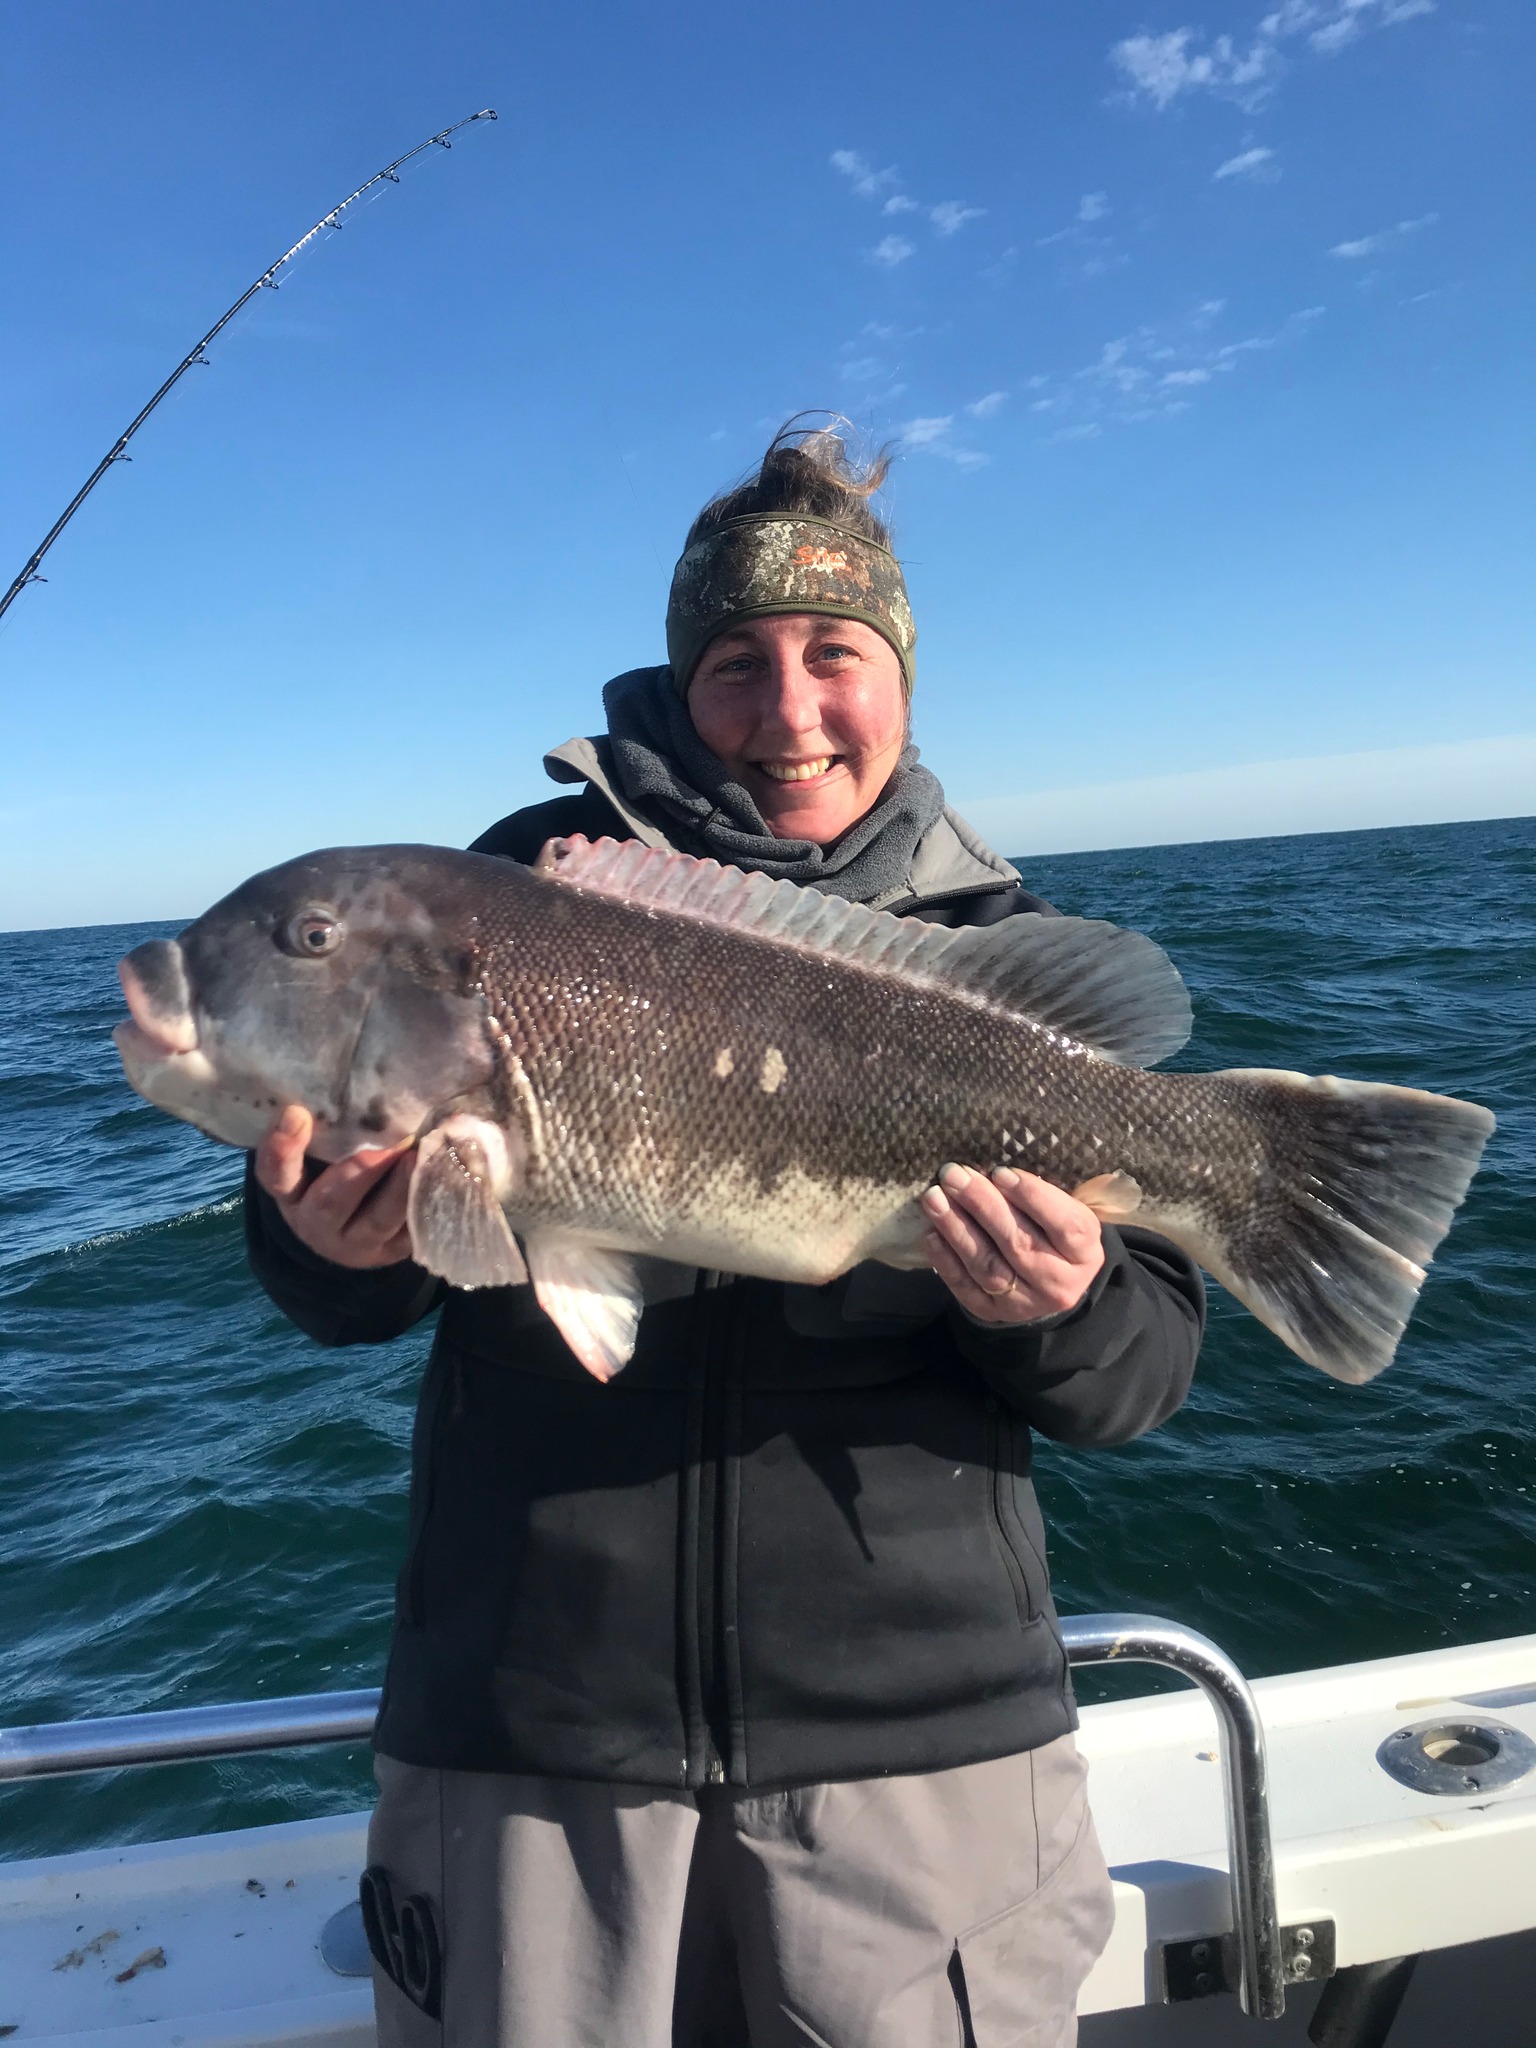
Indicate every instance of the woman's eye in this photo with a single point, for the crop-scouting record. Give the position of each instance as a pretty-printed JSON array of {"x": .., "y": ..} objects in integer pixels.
[{"x": 313, "y": 934}]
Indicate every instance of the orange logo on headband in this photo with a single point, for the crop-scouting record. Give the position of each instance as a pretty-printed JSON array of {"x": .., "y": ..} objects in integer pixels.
[{"x": 833, "y": 560}]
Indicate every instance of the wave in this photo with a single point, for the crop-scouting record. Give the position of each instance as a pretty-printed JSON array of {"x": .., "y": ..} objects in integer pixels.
[{"x": 161, "y": 1226}]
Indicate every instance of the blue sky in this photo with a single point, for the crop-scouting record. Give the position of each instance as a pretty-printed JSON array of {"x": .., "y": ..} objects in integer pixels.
[{"x": 1206, "y": 330}]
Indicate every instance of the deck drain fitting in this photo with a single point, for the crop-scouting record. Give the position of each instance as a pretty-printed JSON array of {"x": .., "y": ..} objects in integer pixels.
[{"x": 1453, "y": 1758}]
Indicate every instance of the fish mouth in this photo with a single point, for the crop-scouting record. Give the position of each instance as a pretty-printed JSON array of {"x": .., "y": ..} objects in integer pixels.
[
  {"x": 799, "y": 771},
  {"x": 155, "y": 985}
]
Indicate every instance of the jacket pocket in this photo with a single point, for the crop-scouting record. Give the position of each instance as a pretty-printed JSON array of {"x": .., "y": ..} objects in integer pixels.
[{"x": 1022, "y": 1558}]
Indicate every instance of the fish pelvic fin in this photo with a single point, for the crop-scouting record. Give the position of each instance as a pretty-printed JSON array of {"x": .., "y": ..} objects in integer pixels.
[
  {"x": 592, "y": 1295},
  {"x": 1110, "y": 990},
  {"x": 458, "y": 1228},
  {"x": 1366, "y": 1179}
]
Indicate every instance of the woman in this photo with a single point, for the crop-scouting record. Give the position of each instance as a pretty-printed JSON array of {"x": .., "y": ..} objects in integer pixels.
[{"x": 726, "y": 1702}]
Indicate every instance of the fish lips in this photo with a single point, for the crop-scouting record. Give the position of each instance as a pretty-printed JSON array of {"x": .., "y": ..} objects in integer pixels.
[
  {"x": 158, "y": 1044},
  {"x": 154, "y": 979}
]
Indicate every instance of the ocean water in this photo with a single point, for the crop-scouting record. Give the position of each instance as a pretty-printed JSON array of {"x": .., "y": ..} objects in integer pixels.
[{"x": 197, "y": 1504}]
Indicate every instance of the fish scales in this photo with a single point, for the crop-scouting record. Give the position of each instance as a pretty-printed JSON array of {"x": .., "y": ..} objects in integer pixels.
[
  {"x": 882, "y": 1082},
  {"x": 625, "y": 1052}
]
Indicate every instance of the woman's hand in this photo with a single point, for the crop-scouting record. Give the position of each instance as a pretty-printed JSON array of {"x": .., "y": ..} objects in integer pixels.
[
  {"x": 1010, "y": 1247},
  {"x": 352, "y": 1213}
]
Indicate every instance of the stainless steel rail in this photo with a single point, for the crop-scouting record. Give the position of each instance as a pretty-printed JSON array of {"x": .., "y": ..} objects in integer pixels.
[
  {"x": 1145, "y": 1639},
  {"x": 56, "y": 1749}
]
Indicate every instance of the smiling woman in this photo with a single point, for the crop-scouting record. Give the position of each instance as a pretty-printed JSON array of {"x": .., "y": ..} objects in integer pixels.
[
  {"x": 808, "y": 714},
  {"x": 689, "y": 1670}
]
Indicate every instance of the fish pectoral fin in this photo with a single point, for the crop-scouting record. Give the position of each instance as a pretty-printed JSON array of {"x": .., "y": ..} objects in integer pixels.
[
  {"x": 593, "y": 1297},
  {"x": 1113, "y": 1197},
  {"x": 458, "y": 1228}
]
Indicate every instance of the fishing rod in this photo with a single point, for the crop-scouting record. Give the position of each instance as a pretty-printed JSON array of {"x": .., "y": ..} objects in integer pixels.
[{"x": 266, "y": 282}]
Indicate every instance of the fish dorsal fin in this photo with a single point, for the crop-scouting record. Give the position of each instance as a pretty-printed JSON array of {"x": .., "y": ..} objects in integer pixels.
[{"x": 1110, "y": 990}]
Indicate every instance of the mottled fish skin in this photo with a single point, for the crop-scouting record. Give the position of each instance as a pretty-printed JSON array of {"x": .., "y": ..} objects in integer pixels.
[
  {"x": 606, "y": 1071},
  {"x": 712, "y": 1096}
]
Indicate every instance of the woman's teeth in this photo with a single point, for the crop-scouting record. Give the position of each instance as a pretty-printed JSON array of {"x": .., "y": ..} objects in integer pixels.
[{"x": 797, "y": 771}]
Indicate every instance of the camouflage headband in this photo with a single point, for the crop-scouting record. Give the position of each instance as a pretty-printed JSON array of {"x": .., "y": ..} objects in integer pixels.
[{"x": 771, "y": 563}]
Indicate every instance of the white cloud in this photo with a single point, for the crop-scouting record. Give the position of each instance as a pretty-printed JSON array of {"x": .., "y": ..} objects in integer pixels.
[
  {"x": 923, "y": 433},
  {"x": 863, "y": 369},
  {"x": 932, "y": 436},
  {"x": 1102, "y": 255},
  {"x": 1329, "y": 24},
  {"x": 893, "y": 250},
  {"x": 984, "y": 408},
  {"x": 1253, "y": 163},
  {"x": 1162, "y": 68},
  {"x": 865, "y": 179},
  {"x": 946, "y": 218},
  {"x": 1426, "y": 785},
  {"x": 1151, "y": 373},
  {"x": 1368, "y": 245},
  {"x": 949, "y": 216}
]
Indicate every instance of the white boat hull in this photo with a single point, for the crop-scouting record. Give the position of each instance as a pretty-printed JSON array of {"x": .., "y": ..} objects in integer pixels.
[{"x": 237, "y": 1917}]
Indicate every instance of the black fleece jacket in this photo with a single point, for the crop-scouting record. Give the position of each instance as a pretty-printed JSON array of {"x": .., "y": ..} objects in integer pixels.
[{"x": 795, "y": 1539}]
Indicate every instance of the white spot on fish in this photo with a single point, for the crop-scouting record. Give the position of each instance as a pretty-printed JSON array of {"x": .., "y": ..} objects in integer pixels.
[
  {"x": 1029, "y": 1137},
  {"x": 773, "y": 1071},
  {"x": 725, "y": 1063}
]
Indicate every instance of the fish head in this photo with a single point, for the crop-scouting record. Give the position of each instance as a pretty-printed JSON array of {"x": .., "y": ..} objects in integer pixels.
[{"x": 345, "y": 981}]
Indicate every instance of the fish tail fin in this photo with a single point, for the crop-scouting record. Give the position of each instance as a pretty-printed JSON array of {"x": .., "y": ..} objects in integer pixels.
[{"x": 1362, "y": 1184}]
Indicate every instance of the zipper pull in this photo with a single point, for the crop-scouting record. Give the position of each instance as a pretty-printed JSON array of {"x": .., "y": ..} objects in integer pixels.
[{"x": 714, "y": 1772}]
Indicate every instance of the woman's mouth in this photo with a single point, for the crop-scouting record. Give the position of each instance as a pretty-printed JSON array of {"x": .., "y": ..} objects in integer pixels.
[{"x": 798, "y": 771}]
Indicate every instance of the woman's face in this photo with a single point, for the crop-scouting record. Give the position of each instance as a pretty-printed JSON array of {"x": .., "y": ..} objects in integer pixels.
[{"x": 808, "y": 714}]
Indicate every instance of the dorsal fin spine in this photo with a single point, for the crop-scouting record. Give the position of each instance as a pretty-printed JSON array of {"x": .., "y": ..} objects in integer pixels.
[{"x": 1110, "y": 991}]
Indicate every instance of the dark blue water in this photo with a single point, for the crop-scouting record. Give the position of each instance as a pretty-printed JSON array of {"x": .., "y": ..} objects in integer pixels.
[{"x": 196, "y": 1504}]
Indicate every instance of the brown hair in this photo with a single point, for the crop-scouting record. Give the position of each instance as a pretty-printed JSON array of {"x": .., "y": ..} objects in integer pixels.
[{"x": 806, "y": 471}]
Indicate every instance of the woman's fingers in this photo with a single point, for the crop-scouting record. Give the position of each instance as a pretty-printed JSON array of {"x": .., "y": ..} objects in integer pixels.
[
  {"x": 280, "y": 1155},
  {"x": 353, "y": 1212},
  {"x": 977, "y": 1222},
  {"x": 1067, "y": 1225},
  {"x": 386, "y": 1206},
  {"x": 1011, "y": 1247},
  {"x": 950, "y": 1269}
]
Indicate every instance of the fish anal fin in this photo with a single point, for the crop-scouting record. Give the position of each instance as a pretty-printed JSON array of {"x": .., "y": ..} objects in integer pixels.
[
  {"x": 592, "y": 1295},
  {"x": 1113, "y": 991},
  {"x": 457, "y": 1225},
  {"x": 1113, "y": 1197}
]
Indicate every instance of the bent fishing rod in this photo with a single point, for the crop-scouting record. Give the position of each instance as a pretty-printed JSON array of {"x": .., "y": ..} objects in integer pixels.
[{"x": 266, "y": 282}]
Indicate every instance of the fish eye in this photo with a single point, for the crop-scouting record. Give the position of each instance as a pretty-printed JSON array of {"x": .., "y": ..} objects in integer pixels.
[{"x": 313, "y": 934}]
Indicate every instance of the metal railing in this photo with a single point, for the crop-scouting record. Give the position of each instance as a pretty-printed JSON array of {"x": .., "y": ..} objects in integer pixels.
[
  {"x": 58, "y": 1748},
  {"x": 54, "y": 1749},
  {"x": 1145, "y": 1639}
]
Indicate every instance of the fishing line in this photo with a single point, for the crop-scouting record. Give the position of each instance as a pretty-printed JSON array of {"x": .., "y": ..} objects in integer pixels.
[{"x": 198, "y": 355}]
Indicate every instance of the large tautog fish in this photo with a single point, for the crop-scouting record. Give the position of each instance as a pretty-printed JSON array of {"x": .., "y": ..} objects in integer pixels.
[{"x": 622, "y": 1054}]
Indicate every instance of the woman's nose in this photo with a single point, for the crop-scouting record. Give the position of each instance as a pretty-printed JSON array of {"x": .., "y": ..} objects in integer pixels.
[{"x": 793, "y": 695}]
